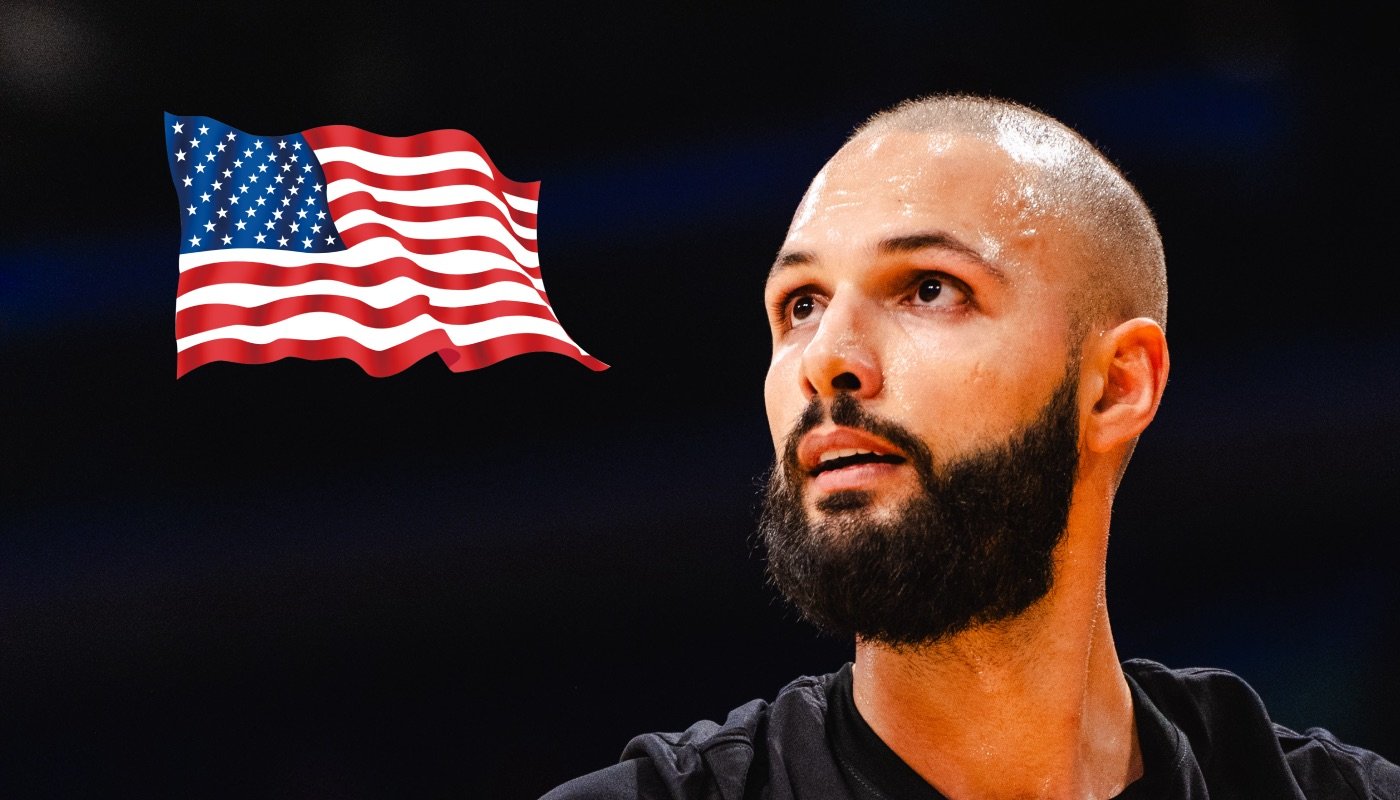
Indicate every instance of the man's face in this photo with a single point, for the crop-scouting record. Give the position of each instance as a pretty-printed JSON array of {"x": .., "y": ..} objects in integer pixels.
[{"x": 919, "y": 280}]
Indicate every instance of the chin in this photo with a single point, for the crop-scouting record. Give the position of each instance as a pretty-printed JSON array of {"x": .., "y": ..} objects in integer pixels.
[{"x": 846, "y": 500}]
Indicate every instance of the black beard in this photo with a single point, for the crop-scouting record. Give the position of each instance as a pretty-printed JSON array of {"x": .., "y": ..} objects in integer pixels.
[{"x": 975, "y": 547}]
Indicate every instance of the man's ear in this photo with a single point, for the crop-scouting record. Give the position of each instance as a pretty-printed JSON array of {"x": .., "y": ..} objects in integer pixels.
[{"x": 1132, "y": 362}]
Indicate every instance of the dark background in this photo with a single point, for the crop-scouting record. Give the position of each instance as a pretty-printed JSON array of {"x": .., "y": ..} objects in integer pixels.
[{"x": 294, "y": 580}]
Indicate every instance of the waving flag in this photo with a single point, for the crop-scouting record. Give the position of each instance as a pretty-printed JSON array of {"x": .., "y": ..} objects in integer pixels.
[{"x": 340, "y": 243}]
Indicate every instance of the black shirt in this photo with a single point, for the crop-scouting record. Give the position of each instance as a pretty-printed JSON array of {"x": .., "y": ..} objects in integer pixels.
[{"x": 1204, "y": 735}]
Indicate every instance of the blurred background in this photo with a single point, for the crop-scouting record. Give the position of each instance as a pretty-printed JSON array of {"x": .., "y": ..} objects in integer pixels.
[{"x": 297, "y": 581}]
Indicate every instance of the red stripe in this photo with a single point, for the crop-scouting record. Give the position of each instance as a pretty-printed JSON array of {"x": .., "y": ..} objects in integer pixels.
[
  {"x": 363, "y": 200},
  {"x": 422, "y": 144},
  {"x": 337, "y": 171},
  {"x": 431, "y": 247},
  {"x": 369, "y": 275},
  {"x": 380, "y": 363},
  {"x": 199, "y": 319}
]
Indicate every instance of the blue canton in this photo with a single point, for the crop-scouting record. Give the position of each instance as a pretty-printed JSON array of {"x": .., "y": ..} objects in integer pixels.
[{"x": 242, "y": 191}]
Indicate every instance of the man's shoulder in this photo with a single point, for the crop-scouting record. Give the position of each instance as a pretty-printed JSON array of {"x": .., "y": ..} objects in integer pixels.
[
  {"x": 783, "y": 736},
  {"x": 1218, "y": 724}
]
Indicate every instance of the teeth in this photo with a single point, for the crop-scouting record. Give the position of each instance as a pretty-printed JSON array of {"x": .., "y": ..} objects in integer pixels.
[{"x": 849, "y": 451}]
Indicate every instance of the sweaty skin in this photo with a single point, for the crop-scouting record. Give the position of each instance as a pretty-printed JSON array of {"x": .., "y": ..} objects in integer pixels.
[{"x": 1036, "y": 706}]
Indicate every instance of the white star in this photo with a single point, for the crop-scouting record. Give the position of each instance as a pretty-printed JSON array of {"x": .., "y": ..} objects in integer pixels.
[
  {"x": 233, "y": 199},
  {"x": 178, "y": 127},
  {"x": 209, "y": 157},
  {"x": 260, "y": 238},
  {"x": 252, "y": 211},
  {"x": 281, "y": 144},
  {"x": 208, "y": 226},
  {"x": 247, "y": 153},
  {"x": 301, "y": 214},
  {"x": 292, "y": 190},
  {"x": 320, "y": 215},
  {"x": 218, "y": 185},
  {"x": 262, "y": 200},
  {"x": 191, "y": 210},
  {"x": 311, "y": 201},
  {"x": 306, "y": 168},
  {"x": 228, "y": 173},
  {"x": 295, "y": 227},
  {"x": 220, "y": 148},
  {"x": 271, "y": 188},
  {"x": 270, "y": 225},
  {"x": 315, "y": 228},
  {"x": 278, "y": 179},
  {"x": 243, "y": 188},
  {"x": 286, "y": 167},
  {"x": 188, "y": 180},
  {"x": 330, "y": 240},
  {"x": 271, "y": 156},
  {"x": 194, "y": 241},
  {"x": 258, "y": 144},
  {"x": 252, "y": 178},
  {"x": 194, "y": 143},
  {"x": 301, "y": 179},
  {"x": 296, "y": 145},
  {"x": 203, "y": 129},
  {"x": 241, "y": 224},
  {"x": 262, "y": 168},
  {"x": 238, "y": 164},
  {"x": 293, "y": 158},
  {"x": 231, "y": 137},
  {"x": 199, "y": 168},
  {"x": 306, "y": 242},
  {"x": 286, "y": 201},
  {"x": 222, "y": 213},
  {"x": 179, "y": 155},
  {"x": 204, "y": 197},
  {"x": 316, "y": 186},
  {"x": 282, "y": 241},
  {"x": 227, "y": 238},
  {"x": 277, "y": 214}
]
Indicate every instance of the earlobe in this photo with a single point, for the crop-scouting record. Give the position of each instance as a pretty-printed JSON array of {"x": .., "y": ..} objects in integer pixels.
[{"x": 1133, "y": 363}]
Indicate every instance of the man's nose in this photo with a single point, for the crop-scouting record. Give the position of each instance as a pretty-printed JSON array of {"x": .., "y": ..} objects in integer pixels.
[{"x": 841, "y": 356}]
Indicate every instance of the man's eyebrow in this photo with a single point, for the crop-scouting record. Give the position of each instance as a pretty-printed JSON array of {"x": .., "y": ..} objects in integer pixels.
[
  {"x": 790, "y": 258},
  {"x": 896, "y": 245},
  {"x": 941, "y": 241}
]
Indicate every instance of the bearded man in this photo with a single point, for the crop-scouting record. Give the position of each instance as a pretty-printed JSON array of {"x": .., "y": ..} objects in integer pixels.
[{"x": 968, "y": 318}]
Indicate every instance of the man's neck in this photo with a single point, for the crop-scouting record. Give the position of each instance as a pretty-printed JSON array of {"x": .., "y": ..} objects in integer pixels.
[{"x": 1032, "y": 708}]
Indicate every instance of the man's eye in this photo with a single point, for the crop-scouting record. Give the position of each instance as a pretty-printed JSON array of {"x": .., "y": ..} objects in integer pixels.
[
  {"x": 934, "y": 290},
  {"x": 803, "y": 308},
  {"x": 930, "y": 289}
]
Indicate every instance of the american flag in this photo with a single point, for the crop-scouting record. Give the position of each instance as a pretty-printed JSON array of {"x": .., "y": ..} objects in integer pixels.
[{"x": 340, "y": 243}]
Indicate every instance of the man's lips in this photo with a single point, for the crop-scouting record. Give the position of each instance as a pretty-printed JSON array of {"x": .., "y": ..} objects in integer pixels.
[{"x": 843, "y": 449}]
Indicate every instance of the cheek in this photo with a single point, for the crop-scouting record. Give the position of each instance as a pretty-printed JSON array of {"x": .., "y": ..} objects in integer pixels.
[
  {"x": 951, "y": 396},
  {"x": 777, "y": 388}
]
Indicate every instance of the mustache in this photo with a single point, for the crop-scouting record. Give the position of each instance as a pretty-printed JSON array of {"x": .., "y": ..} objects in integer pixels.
[{"x": 847, "y": 412}]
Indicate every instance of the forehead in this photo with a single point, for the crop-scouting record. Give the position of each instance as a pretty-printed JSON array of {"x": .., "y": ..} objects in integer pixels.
[{"x": 895, "y": 183}]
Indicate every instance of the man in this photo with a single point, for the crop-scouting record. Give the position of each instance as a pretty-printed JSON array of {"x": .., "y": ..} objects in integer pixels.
[{"x": 968, "y": 319}]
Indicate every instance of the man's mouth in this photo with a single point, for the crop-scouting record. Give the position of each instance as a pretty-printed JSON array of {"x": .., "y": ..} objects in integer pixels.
[{"x": 849, "y": 457}]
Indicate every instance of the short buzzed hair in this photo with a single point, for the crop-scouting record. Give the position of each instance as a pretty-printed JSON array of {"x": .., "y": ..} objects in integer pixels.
[{"x": 1125, "y": 272}]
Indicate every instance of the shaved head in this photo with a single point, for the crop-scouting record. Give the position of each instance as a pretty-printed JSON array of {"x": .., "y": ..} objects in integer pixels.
[{"x": 1063, "y": 181}]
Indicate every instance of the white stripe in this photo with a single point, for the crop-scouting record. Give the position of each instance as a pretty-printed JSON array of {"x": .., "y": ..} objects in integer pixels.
[
  {"x": 523, "y": 203},
  {"x": 372, "y": 251},
  {"x": 429, "y": 198},
  {"x": 318, "y": 325},
  {"x": 443, "y": 229},
  {"x": 405, "y": 165},
  {"x": 390, "y": 293}
]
